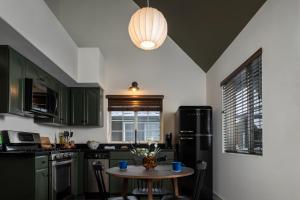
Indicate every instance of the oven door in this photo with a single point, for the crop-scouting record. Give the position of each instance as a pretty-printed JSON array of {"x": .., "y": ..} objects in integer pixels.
[{"x": 61, "y": 176}]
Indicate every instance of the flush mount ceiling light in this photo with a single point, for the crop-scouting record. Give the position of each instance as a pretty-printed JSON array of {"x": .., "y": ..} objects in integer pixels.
[
  {"x": 134, "y": 86},
  {"x": 148, "y": 28}
]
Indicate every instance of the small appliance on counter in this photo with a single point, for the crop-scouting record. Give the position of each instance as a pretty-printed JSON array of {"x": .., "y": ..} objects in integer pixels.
[{"x": 168, "y": 141}]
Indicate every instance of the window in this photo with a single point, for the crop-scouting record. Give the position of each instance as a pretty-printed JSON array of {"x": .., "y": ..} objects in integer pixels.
[
  {"x": 242, "y": 108},
  {"x": 125, "y": 123},
  {"x": 135, "y": 114}
]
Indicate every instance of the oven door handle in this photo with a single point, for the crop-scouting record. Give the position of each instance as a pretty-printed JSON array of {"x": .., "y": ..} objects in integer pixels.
[{"x": 58, "y": 163}]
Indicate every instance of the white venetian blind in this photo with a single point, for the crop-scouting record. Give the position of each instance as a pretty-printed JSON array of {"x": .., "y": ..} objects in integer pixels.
[{"x": 242, "y": 107}]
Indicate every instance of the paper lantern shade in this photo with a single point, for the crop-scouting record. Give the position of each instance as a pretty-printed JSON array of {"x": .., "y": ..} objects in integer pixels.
[{"x": 148, "y": 28}]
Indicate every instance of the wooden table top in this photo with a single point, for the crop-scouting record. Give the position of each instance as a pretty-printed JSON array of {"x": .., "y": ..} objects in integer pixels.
[{"x": 139, "y": 172}]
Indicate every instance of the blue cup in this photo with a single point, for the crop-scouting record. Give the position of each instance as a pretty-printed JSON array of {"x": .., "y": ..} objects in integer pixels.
[
  {"x": 123, "y": 164},
  {"x": 177, "y": 166}
]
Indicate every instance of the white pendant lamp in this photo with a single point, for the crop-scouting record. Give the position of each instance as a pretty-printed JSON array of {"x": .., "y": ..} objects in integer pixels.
[{"x": 148, "y": 28}]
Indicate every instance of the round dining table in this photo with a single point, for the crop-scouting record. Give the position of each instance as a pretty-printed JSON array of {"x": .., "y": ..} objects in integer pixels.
[{"x": 151, "y": 175}]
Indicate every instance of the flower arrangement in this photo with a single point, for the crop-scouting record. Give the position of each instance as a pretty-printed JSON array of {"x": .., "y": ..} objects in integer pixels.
[{"x": 147, "y": 154}]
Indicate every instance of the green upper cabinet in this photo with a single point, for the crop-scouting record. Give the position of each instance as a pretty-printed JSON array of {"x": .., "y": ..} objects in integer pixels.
[
  {"x": 86, "y": 106},
  {"x": 16, "y": 81},
  {"x": 77, "y": 107},
  {"x": 12, "y": 71},
  {"x": 101, "y": 107},
  {"x": 37, "y": 74},
  {"x": 64, "y": 105},
  {"x": 92, "y": 104}
]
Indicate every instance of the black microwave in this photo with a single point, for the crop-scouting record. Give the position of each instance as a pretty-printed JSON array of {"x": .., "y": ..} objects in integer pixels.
[{"x": 40, "y": 100}]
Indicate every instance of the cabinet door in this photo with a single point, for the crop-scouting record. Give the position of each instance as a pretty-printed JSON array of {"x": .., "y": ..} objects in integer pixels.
[
  {"x": 41, "y": 184},
  {"x": 101, "y": 115},
  {"x": 64, "y": 106},
  {"x": 80, "y": 174},
  {"x": 77, "y": 106},
  {"x": 32, "y": 71},
  {"x": 92, "y": 103},
  {"x": 16, "y": 81}
]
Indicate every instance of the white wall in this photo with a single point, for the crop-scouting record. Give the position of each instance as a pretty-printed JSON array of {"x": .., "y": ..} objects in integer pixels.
[
  {"x": 35, "y": 21},
  {"x": 91, "y": 66},
  {"x": 91, "y": 69},
  {"x": 168, "y": 70},
  {"x": 275, "y": 175}
]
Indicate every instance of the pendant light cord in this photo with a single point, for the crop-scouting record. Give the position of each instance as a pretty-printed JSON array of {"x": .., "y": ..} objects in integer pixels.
[{"x": 148, "y": 4}]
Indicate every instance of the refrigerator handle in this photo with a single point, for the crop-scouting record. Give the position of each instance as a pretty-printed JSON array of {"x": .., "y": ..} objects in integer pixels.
[
  {"x": 186, "y": 131},
  {"x": 186, "y": 138}
]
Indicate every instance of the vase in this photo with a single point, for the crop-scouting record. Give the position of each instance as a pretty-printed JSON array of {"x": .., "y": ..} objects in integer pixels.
[{"x": 149, "y": 162}]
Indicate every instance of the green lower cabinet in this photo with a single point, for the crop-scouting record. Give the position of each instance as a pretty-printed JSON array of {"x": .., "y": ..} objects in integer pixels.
[
  {"x": 41, "y": 184},
  {"x": 24, "y": 177},
  {"x": 41, "y": 178},
  {"x": 81, "y": 173},
  {"x": 77, "y": 187}
]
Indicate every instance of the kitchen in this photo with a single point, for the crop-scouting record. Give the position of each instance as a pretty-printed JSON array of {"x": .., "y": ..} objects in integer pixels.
[{"x": 68, "y": 71}]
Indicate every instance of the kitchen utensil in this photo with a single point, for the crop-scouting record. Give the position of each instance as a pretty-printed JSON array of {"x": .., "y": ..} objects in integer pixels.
[
  {"x": 66, "y": 135},
  {"x": 45, "y": 143}
]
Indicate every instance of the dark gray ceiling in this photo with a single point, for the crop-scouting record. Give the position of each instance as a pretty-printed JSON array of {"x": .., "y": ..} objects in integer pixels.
[{"x": 205, "y": 28}]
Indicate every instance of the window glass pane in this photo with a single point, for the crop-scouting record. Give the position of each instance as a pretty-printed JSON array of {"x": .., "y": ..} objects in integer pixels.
[
  {"x": 116, "y": 136},
  {"x": 149, "y": 123},
  {"x": 129, "y": 131},
  {"x": 141, "y": 135},
  {"x": 117, "y": 125}
]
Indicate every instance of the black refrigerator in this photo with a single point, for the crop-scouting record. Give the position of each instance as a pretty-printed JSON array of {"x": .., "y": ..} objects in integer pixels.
[{"x": 194, "y": 144}]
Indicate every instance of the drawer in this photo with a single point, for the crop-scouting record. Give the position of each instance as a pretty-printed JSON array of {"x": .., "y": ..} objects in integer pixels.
[
  {"x": 41, "y": 162},
  {"x": 120, "y": 155}
]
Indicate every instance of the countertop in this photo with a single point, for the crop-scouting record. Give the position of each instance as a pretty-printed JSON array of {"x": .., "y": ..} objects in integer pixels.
[{"x": 79, "y": 148}]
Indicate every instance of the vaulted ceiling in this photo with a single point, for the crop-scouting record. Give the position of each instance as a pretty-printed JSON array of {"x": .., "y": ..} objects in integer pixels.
[{"x": 205, "y": 28}]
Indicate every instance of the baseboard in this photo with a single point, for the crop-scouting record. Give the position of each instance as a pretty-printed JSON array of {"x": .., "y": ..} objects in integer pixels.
[{"x": 216, "y": 197}]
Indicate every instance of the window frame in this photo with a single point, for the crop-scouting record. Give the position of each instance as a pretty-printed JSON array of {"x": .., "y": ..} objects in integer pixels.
[
  {"x": 135, "y": 123},
  {"x": 249, "y": 111}
]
